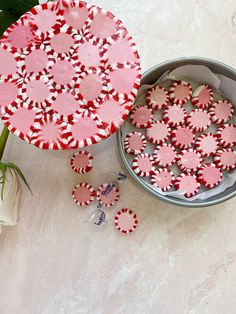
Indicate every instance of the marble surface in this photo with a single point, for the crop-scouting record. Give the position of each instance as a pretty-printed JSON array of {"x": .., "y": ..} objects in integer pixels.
[{"x": 179, "y": 260}]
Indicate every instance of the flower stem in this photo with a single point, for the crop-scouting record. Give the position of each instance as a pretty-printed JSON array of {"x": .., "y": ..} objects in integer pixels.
[{"x": 3, "y": 140}]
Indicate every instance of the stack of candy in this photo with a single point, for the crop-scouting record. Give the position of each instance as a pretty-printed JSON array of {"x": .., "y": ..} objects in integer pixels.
[
  {"x": 106, "y": 195},
  {"x": 193, "y": 137}
]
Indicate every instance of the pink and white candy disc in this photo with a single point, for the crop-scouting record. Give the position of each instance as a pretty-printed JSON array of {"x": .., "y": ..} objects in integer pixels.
[
  {"x": 83, "y": 194},
  {"x": 164, "y": 155},
  {"x": 209, "y": 175},
  {"x": 69, "y": 73},
  {"x": 108, "y": 194},
  {"x": 187, "y": 183},
  {"x": 202, "y": 97},
  {"x": 81, "y": 162},
  {"x": 189, "y": 160},
  {"x": 225, "y": 158},
  {"x": 163, "y": 179},
  {"x": 126, "y": 220}
]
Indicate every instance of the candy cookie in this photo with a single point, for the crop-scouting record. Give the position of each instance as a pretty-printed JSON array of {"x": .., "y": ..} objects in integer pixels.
[
  {"x": 83, "y": 194},
  {"x": 226, "y": 135},
  {"x": 143, "y": 165},
  {"x": 225, "y": 159},
  {"x": 209, "y": 175},
  {"x": 135, "y": 143},
  {"x": 174, "y": 115},
  {"x": 189, "y": 160},
  {"x": 108, "y": 194},
  {"x": 180, "y": 92},
  {"x": 164, "y": 155},
  {"x": 141, "y": 116},
  {"x": 158, "y": 132},
  {"x": 126, "y": 220},
  {"x": 221, "y": 111},
  {"x": 202, "y": 97},
  {"x": 198, "y": 120},
  {"x": 187, "y": 183},
  {"x": 163, "y": 179},
  {"x": 157, "y": 98},
  {"x": 182, "y": 137},
  {"x": 81, "y": 162}
]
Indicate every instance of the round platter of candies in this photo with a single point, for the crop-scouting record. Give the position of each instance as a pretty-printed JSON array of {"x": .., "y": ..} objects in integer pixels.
[
  {"x": 69, "y": 73},
  {"x": 181, "y": 137}
]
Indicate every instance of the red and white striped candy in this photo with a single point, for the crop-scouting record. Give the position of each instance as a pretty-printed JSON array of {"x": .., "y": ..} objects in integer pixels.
[
  {"x": 157, "y": 98},
  {"x": 164, "y": 155},
  {"x": 198, "y": 120},
  {"x": 126, "y": 220},
  {"x": 163, "y": 179},
  {"x": 209, "y": 175},
  {"x": 225, "y": 159},
  {"x": 202, "y": 97},
  {"x": 135, "y": 143},
  {"x": 180, "y": 92},
  {"x": 174, "y": 115},
  {"x": 207, "y": 144},
  {"x": 108, "y": 194},
  {"x": 188, "y": 183},
  {"x": 141, "y": 116},
  {"x": 83, "y": 194},
  {"x": 221, "y": 111},
  {"x": 182, "y": 137},
  {"x": 189, "y": 160},
  {"x": 226, "y": 135},
  {"x": 143, "y": 165},
  {"x": 81, "y": 162},
  {"x": 158, "y": 132}
]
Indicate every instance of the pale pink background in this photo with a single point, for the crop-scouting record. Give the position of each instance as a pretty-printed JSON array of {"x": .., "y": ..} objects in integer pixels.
[{"x": 179, "y": 260}]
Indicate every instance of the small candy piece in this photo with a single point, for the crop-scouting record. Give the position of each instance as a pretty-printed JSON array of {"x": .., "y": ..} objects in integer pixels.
[
  {"x": 158, "y": 132},
  {"x": 83, "y": 194},
  {"x": 163, "y": 179},
  {"x": 135, "y": 143},
  {"x": 108, "y": 194},
  {"x": 126, "y": 220},
  {"x": 164, "y": 155},
  {"x": 189, "y": 160},
  {"x": 143, "y": 165},
  {"x": 81, "y": 162},
  {"x": 226, "y": 135},
  {"x": 182, "y": 137},
  {"x": 187, "y": 182},
  {"x": 157, "y": 98},
  {"x": 202, "y": 97},
  {"x": 198, "y": 120},
  {"x": 225, "y": 159},
  {"x": 221, "y": 111},
  {"x": 174, "y": 115},
  {"x": 207, "y": 144},
  {"x": 180, "y": 92},
  {"x": 209, "y": 175},
  {"x": 141, "y": 116}
]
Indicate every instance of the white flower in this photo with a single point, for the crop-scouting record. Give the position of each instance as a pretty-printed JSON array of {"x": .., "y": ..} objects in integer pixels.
[{"x": 11, "y": 197}]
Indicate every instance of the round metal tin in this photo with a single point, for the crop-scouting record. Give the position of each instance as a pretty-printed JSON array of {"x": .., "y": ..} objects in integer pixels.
[{"x": 149, "y": 77}]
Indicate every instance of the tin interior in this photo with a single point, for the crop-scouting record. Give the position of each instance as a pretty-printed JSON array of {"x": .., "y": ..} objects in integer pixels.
[{"x": 150, "y": 77}]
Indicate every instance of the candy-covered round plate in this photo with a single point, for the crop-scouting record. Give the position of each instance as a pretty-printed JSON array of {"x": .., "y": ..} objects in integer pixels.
[{"x": 69, "y": 74}]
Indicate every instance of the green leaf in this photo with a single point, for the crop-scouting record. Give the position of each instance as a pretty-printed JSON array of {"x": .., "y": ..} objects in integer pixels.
[
  {"x": 20, "y": 173},
  {"x": 16, "y": 8},
  {"x": 5, "y": 21},
  {"x": 11, "y": 11},
  {"x": 4, "y": 169}
]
